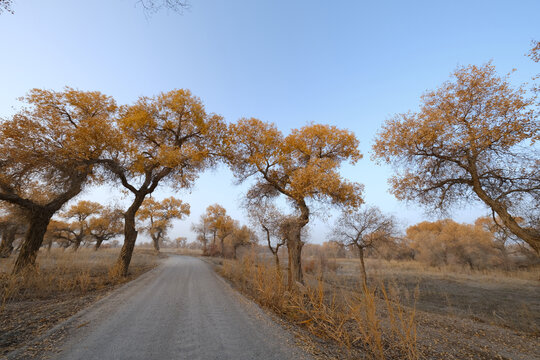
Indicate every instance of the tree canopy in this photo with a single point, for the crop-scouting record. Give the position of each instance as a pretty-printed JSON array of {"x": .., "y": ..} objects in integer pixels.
[
  {"x": 49, "y": 151},
  {"x": 475, "y": 137}
]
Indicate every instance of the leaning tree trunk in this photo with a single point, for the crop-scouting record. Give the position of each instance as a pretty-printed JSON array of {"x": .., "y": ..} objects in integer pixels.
[
  {"x": 530, "y": 236},
  {"x": 99, "y": 241},
  {"x": 362, "y": 267},
  {"x": 76, "y": 244},
  {"x": 8, "y": 237},
  {"x": 38, "y": 223},
  {"x": 130, "y": 236}
]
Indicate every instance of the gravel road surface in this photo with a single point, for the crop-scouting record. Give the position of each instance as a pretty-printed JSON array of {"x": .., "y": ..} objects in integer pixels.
[{"x": 181, "y": 310}]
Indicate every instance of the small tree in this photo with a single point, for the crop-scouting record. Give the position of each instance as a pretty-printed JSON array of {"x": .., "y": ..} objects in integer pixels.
[
  {"x": 473, "y": 138},
  {"x": 106, "y": 226},
  {"x": 60, "y": 232},
  {"x": 219, "y": 225},
  {"x": 181, "y": 242},
  {"x": 202, "y": 229},
  {"x": 242, "y": 236},
  {"x": 363, "y": 229},
  {"x": 159, "y": 215},
  {"x": 80, "y": 213},
  {"x": 266, "y": 215}
]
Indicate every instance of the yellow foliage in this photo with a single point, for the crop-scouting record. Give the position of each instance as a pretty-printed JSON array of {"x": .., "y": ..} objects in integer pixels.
[{"x": 303, "y": 165}]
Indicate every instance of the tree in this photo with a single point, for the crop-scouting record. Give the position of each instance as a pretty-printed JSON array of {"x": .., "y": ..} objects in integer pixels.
[
  {"x": 159, "y": 216},
  {"x": 106, "y": 226},
  {"x": 80, "y": 212},
  {"x": 60, "y": 232},
  {"x": 473, "y": 138},
  {"x": 181, "y": 242},
  {"x": 446, "y": 242},
  {"x": 48, "y": 152},
  {"x": 266, "y": 215},
  {"x": 363, "y": 229},
  {"x": 242, "y": 236},
  {"x": 202, "y": 229},
  {"x": 302, "y": 166},
  {"x": 219, "y": 225},
  {"x": 164, "y": 139}
]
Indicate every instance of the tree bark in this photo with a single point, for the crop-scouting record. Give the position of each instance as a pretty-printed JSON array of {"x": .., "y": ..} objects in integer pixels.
[
  {"x": 76, "y": 244},
  {"x": 276, "y": 261},
  {"x": 294, "y": 247},
  {"x": 222, "y": 246},
  {"x": 39, "y": 220},
  {"x": 530, "y": 236},
  {"x": 295, "y": 244},
  {"x": 362, "y": 267},
  {"x": 8, "y": 237},
  {"x": 130, "y": 236},
  {"x": 155, "y": 241},
  {"x": 98, "y": 244}
]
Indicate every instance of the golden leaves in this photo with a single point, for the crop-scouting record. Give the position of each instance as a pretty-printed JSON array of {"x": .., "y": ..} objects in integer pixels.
[{"x": 303, "y": 165}]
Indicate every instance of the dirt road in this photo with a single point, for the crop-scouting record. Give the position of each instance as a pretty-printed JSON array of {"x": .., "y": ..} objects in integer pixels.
[{"x": 181, "y": 310}]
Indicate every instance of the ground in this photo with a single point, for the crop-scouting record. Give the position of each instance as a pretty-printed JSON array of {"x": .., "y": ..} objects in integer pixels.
[{"x": 461, "y": 313}]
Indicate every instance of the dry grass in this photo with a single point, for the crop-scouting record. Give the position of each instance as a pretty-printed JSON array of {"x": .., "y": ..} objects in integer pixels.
[
  {"x": 61, "y": 272},
  {"x": 362, "y": 324},
  {"x": 63, "y": 283},
  {"x": 509, "y": 299},
  {"x": 183, "y": 251}
]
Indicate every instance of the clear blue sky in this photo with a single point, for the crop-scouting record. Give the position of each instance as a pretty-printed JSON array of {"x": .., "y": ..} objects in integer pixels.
[{"x": 347, "y": 63}]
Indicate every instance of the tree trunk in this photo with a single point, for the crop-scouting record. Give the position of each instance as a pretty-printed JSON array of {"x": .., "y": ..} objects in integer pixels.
[
  {"x": 530, "y": 236},
  {"x": 276, "y": 260},
  {"x": 205, "y": 249},
  {"x": 49, "y": 245},
  {"x": 295, "y": 244},
  {"x": 76, "y": 244},
  {"x": 8, "y": 237},
  {"x": 294, "y": 247},
  {"x": 362, "y": 267},
  {"x": 130, "y": 236},
  {"x": 98, "y": 244},
  {"x": 155, "y": 241},
  {"x": 39, "y": 221},
  {"x": 222, "y": 247}
]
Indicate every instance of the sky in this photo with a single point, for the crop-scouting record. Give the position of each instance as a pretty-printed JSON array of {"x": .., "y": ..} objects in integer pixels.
[{"x": 351, "y": 64}]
